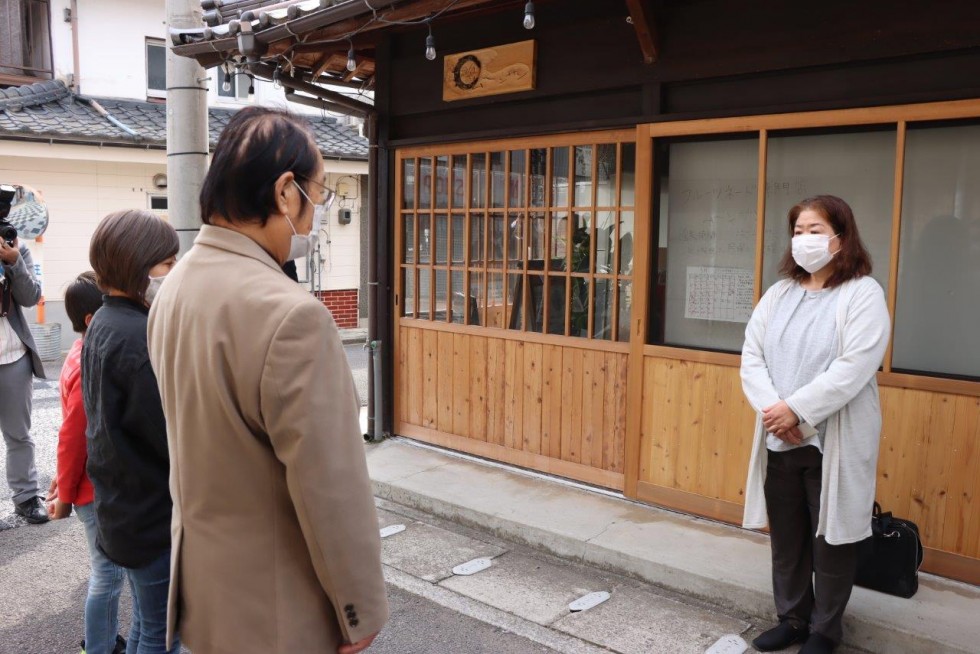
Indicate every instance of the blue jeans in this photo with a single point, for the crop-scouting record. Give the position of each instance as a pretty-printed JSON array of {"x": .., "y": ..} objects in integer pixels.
[
  {"x": 150, "y": 586},
  {"x": 104, "y": 586}
]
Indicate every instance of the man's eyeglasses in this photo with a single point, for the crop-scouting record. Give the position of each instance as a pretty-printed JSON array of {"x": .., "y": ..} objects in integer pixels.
[{"x": 328, "y": 194}]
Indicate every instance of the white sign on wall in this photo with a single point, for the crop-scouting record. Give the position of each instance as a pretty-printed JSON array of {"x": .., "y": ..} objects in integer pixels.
[{"x": 715, "y": 293}]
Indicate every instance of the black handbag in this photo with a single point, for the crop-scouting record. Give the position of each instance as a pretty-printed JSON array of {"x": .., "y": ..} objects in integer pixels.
[{"x": 889, "y": 560}]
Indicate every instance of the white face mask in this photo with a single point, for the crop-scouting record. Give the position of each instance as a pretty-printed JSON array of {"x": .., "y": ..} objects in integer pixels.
[
  {"x": 301, "y": 246},
  {"x": 812, "y": 251},
  {"x": 153, "y": 288}
]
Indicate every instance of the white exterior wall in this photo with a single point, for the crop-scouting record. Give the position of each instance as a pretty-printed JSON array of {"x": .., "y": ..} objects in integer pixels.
[{"x": 342, "y": 254}]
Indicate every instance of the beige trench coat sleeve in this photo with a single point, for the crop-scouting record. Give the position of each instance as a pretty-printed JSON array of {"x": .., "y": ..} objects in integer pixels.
[{"x": 310, "y": 409}]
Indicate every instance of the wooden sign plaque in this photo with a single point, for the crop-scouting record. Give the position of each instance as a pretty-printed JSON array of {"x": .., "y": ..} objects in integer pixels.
[{"x": 490, "y": 71}]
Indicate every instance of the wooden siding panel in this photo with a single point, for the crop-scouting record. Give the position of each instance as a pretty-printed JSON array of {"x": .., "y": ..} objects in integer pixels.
[
  {"x": 495, "y": 391},
  {"x": 445, "y": 366},
  {"x": 461, "y": 385},
  {"x": 414, "y": 377},
  {"x": 622, "y": 373},
  {"x": 551, "y": 402},
  {"x": 533, "y": 397},
  {"x": 598, "y": 400},
  {"x": 430, "y": 378},
  {"x": 585, "y": 399},
  {"x": 478, "y": 387},
  {"x": 514, "y": 395}
]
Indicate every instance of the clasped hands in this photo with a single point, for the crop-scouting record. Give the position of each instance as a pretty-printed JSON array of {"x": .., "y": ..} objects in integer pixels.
[{"x": 780, "y": 421}]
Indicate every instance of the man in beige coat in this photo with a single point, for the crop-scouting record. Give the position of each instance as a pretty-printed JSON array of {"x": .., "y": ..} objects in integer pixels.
[{"x": 276, "y": 546}]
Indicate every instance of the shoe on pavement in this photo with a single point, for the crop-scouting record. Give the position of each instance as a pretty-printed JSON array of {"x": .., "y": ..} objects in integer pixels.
[
  {"x": 818, "y": 644},
  {"x": 120, "y": 647},
  {"x": 780, "y": 637},
  {"x": 32, "y": 510}
]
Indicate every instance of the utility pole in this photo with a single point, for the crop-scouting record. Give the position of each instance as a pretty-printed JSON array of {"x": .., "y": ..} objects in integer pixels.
[{"x": 187, "y": 128}]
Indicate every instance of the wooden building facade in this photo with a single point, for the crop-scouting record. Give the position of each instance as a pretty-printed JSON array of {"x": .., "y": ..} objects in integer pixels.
[{"x": 570, "y": 268}]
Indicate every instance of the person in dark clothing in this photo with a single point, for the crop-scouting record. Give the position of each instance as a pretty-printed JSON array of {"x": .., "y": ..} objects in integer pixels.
[
  {"x": 128, "y": 460},
  {"x": 290, "y": 269}
]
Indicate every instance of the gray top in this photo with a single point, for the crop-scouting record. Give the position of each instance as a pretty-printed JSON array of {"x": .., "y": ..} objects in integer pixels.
[{"x": 800, "y": 343}]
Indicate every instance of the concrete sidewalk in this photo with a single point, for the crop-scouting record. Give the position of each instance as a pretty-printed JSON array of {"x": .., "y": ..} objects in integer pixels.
[{"x": 724, "y": 565}]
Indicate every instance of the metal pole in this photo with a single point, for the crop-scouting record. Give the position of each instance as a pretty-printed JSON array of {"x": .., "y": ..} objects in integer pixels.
[
  {"x": 377, "y": 432},
  {"x": 187, "y": 129}
]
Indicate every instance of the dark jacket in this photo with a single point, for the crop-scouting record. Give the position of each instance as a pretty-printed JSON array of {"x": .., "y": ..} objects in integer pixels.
[
  {"x": 128, "y": 460},
  {"x": 19, "y": 290}
]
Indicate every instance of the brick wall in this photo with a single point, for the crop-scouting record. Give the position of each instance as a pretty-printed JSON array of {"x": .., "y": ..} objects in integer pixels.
[{"x": 343, "y": 306}]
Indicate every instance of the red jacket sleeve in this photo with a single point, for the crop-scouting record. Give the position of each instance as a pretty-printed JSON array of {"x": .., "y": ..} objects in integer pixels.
[{"x": 72, "y": 453}]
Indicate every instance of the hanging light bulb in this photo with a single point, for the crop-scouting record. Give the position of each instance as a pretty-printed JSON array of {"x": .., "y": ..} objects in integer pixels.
[
  {"x": 351, "y": 59},
  {"x": 529, "y": 16},
  {"x": 251, "y": 86},
  {"x": 226, "y": 84},
  {"x": 430, "y": 46}
]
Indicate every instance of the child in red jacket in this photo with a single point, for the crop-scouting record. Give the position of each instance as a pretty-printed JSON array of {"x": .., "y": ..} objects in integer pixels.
[{"x": 71, "y": 486}]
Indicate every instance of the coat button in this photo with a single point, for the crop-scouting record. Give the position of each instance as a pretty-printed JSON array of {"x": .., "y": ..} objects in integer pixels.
[
  {"x": 354, "y": 622},
  {"x": 349, "y": 608}
]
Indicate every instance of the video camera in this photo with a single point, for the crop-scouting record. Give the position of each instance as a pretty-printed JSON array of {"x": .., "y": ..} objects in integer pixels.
[
  {"x": 22, "y": 213},
  {"x": 7, "y": 231}
]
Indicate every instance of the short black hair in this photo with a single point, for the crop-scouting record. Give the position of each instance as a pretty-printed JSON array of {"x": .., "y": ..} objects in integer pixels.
[
  {"x": 83, "y": 297},
  {"x": 124, "y": 247},
  {"x": 256, "y": 147}
]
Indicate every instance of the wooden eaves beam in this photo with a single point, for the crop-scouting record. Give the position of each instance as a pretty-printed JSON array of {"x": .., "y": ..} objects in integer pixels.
[{"x": 641, "y": 15}]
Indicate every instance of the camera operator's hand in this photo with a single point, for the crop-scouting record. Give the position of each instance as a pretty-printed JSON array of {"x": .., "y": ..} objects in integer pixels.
[{"x": 9, "y": 254}]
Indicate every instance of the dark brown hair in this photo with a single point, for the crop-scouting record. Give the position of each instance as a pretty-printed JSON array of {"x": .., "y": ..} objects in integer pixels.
[
  {"x": 256, "y": 147},
  {"x": 124, "y": 247},
  {"x": 83, "y": 297},
  {"x": 851, "y": 261}
]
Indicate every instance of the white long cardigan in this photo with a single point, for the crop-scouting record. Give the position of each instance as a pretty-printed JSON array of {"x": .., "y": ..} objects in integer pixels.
[{"x": 846, "y": 396}]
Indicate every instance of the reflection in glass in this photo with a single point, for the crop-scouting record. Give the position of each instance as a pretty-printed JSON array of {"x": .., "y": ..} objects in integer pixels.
[
  {"x": 476, "y": 239},
  {"x": 425, "y": 293},
  {"x": 459, "y": 238},
  {"x": 442, "y": 182},
  {"x": 441, "y": 295},
  {"x": 408, "y": 238},
  {"x": 628, "y": 165},
  {"x": 539, "y": 170},
  {"x": 559, "y": 177},
  {"x": 408, "y": 291},
  {"x": 557, "y": 307},
  {"x": 408, "y": 184},
  {"x": 605, "y": 175},
  {"x": 459, "y": 181},
  {"x": 604, "y": 242},
  {"x": 425, "y": 238},
  {"x": 534, "y": 305},
  {"x": 425, "y": 183},
  {"x": 476, "y": 300},
  {"x": 625, "y": 307},
  {"x": 602, "y": 327},
  {"x": 515, "y": 301},
  {"x": 581, "y": 240},
  {"x": 442, "y": 237},
  {"x": 536, "y": 229},
  {"x": 496, "y": 241},
  {"x": 559, "y": 241},
  {"x": 515, "y": 193},
  {"x": 497, "y": 191},
  {"x": 515, "y": 240},
  {"x": 478, "y": 181},
  {"x": 457, "y": 291},
  {"x": 626, "y": 243},
  {"x": 937, "y": 311},
  {"x": 580, "y": 307},
  {"x": 583, "y": 176},
  {"x": 495, "y": 300}
]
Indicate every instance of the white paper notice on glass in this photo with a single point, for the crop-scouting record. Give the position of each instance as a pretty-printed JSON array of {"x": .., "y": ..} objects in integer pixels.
[{"x": 715, "y": 293}]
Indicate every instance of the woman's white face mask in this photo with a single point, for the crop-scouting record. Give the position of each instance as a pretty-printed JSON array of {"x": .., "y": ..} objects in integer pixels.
[
  {"x": 302, "y": 245},
  {"x": 812, "y": 251},
  {"x": 153, "y": 288}
]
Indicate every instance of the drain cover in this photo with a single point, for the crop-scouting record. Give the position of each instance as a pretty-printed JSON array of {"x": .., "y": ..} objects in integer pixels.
[
  {"x": 471, "y": 567},
  {"x": 730, "y": 644},
  {"x": 391, "y": 530},
  {"x": 586, "y": 602}
]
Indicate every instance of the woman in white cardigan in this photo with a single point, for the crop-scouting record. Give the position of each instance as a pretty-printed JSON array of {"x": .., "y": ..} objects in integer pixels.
[{"x": 812, "y": 347}]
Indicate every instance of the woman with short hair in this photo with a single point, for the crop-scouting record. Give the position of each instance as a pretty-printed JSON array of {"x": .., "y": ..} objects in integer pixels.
[
  {"x": 812, "y": 348},
  {"x": 128, "y": 463}
]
